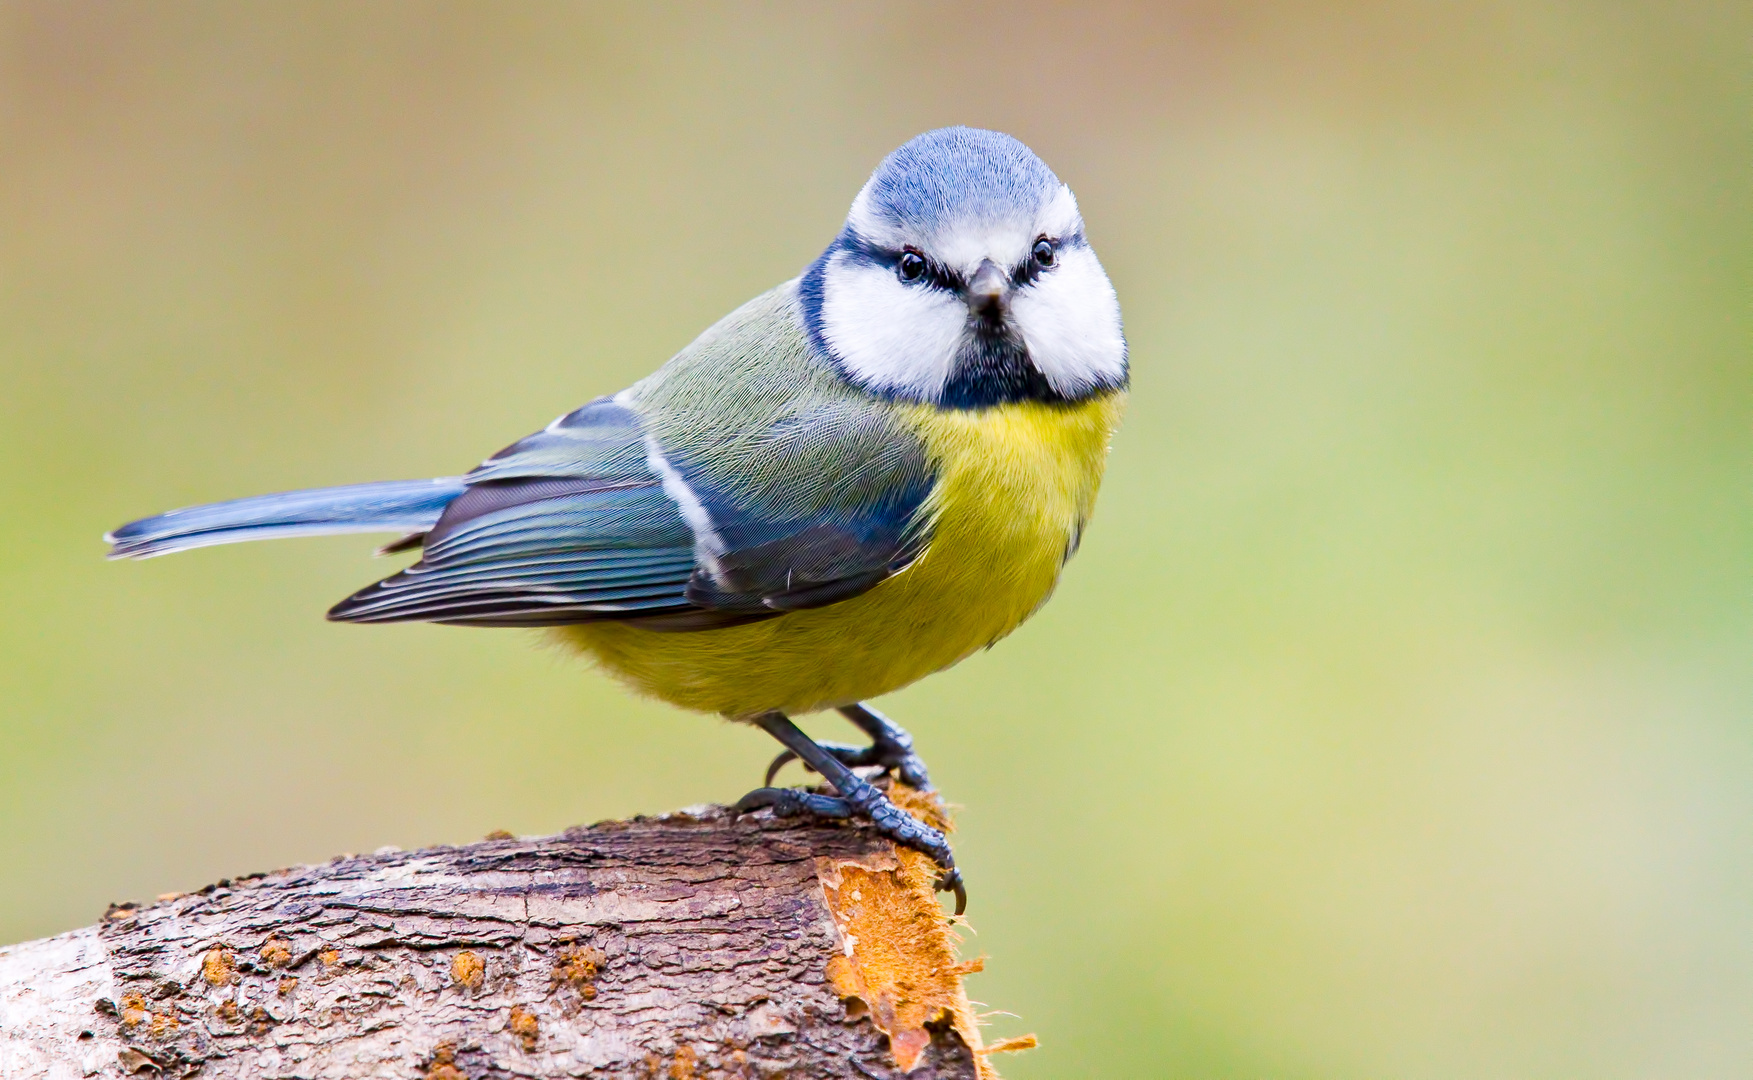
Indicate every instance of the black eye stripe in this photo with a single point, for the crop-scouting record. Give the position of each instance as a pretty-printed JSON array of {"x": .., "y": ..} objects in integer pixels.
[
  {"x": 930, "y": 273},
  {"x": 938, "y": 276},
  {"x": 1032, "y": 267}
]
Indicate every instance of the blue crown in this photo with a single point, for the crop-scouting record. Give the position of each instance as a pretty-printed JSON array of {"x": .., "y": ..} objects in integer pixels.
[{"x": 958, "y": 174}]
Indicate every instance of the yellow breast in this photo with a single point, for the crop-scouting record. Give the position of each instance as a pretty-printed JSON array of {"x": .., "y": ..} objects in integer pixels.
[{"x": 1016, "y": 483}]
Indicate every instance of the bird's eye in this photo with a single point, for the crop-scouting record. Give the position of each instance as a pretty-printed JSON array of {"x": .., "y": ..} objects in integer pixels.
[
  {"x": 911, "y": 267},
  {"x": 1044, "y": 253}
]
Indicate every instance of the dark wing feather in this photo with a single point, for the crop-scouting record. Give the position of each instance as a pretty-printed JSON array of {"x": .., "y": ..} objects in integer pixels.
[
  {"x": 832, "y": 506},
  {"x": 572, "y": 525},
  {"x": 811, "y": 566},
  {"x": 569, "y": 558},
  {"x": 568, "y": 525}
]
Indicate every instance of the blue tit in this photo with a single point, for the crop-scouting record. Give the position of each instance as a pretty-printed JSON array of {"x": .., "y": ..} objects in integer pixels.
[{"x": 854, "y": 480}]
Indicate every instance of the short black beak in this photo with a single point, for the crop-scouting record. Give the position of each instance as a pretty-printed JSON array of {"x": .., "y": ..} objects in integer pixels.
[{"x": 989, "y": 292}]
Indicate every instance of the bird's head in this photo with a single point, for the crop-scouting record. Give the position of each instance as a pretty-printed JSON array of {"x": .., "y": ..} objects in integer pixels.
[{"x": 962, "y": 278}]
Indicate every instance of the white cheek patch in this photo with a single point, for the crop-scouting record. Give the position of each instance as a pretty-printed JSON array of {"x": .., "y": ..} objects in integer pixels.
[
  {"x": 888, "y": 335},
  {"x": 1070, "y": 319}
]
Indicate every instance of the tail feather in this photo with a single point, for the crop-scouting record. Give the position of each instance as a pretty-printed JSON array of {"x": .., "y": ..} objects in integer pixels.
[{"x": 389, "y": 506}]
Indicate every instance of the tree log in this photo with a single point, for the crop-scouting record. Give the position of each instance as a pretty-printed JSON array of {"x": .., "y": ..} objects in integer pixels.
[{"x": 695, "y": 945}]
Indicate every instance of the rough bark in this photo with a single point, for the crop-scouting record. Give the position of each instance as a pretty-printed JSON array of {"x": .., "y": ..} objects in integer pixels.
[{"x": 690, "y": 946}]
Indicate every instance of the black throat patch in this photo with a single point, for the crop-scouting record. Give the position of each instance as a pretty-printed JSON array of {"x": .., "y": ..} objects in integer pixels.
[{"x": 993, "y": 368}]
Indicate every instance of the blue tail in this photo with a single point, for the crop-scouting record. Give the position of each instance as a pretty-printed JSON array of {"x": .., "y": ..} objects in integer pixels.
[{"x": 389, "y": 506}]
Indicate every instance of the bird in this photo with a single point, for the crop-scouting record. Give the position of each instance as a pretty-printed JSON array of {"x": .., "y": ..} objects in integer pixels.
[{"x": 854, "y": 480}]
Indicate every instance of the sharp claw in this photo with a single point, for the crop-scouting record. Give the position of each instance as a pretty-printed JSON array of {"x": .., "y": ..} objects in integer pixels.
[
  {"x": 787, "y": 802},
  {"x": 755, "y": 800},
  {"x": 951, "y": 881},
  {"x": 894, "y": 822},
  {"x": 852, "y": 757},
  {"x": 778, "y": 763},
  {"x": 891, "y": 749}
]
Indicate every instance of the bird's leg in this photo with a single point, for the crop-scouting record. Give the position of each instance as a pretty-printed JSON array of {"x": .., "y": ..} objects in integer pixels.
[
  {"x": 890, "y": 747},
  {"x": 857, "y": 798}
]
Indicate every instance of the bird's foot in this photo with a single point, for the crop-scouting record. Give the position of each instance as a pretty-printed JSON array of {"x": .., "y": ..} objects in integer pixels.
[
  {"x": 792, "y": 802},
  {"x": 875, "y": 807},
  {"x": 857, "y": 798},
  {"x": 890, "y": 749}
]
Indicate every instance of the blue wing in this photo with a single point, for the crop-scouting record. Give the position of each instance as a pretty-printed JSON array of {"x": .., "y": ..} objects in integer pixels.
[
  {"x": 568, "y": 525},
  {"x": 581, "y": 522},
  {"x": 566, "y": 554},
  {"x": 823, "y": 505},
  {"x": 584, "y": 521}
]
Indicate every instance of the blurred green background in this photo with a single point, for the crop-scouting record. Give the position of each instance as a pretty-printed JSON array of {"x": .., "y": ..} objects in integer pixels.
[{"x": 1396, "y": 719}]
